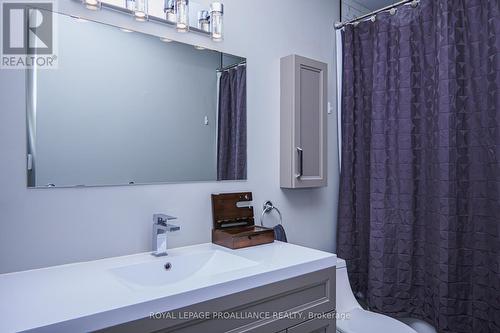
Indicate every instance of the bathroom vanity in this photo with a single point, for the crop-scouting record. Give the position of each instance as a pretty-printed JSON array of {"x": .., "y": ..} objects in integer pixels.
[{"x": 277, "y": 287}]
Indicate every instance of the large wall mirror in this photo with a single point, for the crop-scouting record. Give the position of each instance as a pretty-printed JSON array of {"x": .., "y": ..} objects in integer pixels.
[{"x": 126, "y": 108}]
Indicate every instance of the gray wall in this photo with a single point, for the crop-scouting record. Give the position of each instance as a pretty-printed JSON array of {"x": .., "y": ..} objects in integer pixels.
[
  {"x": 141, "y": 120},
  {"x": 48, "y": 227}
]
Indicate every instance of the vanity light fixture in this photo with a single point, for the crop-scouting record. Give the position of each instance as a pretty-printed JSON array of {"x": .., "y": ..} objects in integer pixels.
[
  {"x": 169, "y": 10},
  {"x": 210, "y": 22},
  {"x": 141, "y": 10},
  {"x": 216, "y": 21},
  {"x": 182, "y": 9},
  {"x": 204, "y": 20},
  {"x": 92, "y": 4}
]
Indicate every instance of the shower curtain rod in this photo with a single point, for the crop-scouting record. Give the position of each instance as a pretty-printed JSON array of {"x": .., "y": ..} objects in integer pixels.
[
  {"x": 241, "y": 63},
  {"x": 340, "y": 25}
]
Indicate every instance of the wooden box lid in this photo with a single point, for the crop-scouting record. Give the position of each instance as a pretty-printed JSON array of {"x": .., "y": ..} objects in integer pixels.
[{"x": 232, "y": 210}]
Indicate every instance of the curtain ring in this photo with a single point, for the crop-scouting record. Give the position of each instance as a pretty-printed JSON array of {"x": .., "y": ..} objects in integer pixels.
[
  {"x": 415, "y": 3},
  {"x": 266, "y": 208},
  {"x": 373, "y": 18},
  {"x": 393, "y": 11}
]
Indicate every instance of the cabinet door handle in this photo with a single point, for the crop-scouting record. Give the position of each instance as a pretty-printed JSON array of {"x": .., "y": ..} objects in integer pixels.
[{"x": 300, "y": 153}]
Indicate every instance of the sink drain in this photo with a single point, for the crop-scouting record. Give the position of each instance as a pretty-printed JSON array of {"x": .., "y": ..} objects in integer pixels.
[{"x": 168, "y": 266}]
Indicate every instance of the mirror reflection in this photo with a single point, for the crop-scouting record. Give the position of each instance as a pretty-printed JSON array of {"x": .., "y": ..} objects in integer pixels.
[{"x": 138, "y": 111}]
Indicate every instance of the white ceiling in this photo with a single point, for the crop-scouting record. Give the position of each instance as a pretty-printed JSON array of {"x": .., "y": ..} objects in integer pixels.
[{"x": 376, "y": 4}]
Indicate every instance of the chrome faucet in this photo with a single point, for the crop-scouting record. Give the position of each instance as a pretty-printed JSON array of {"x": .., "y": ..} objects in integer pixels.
[{"x": 161, "y": 227}]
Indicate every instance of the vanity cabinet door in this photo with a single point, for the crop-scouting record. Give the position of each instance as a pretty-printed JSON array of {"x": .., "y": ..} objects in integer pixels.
[
  {"x": 303, "y": 128},
  {"x": 314, "y": 326},
  {"x": 301, "y": 295}
]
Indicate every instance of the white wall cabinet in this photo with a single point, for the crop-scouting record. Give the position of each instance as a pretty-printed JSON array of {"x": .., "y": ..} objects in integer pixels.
[{"x": 303, "y": 128}]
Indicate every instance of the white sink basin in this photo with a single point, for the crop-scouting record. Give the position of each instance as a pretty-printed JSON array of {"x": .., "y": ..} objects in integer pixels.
[
  {"x": 89, "y": 296},
  {"x": 181, "y": 268}
]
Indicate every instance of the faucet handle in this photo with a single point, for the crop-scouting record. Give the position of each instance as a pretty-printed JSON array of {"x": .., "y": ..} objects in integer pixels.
[
  {"x": 172, "y": 227},
  {"x": 163, "y": 218}
]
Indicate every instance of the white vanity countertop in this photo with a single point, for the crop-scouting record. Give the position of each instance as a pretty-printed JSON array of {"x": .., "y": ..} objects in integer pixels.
[{"x": 87, "y": 296}]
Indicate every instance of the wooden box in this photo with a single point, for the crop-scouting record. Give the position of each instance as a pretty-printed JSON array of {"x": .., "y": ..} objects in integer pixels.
[{"x": 233, "y": 222}]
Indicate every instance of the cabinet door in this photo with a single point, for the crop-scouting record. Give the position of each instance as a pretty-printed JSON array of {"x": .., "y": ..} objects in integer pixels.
[
  {"x": 303, "y": 122},
  {"x": 314, "y": 326}
]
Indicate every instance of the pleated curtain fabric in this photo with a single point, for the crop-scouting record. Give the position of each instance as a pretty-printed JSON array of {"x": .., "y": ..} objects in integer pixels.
[
  {"x": 419, "y": 212},
  {"x": 232, "y": 125}
]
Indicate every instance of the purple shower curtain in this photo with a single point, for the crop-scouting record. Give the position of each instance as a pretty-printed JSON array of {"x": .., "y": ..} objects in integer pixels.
[
  {"x": 419, "y": 213},
  {"x": 232, "y": 133}
]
